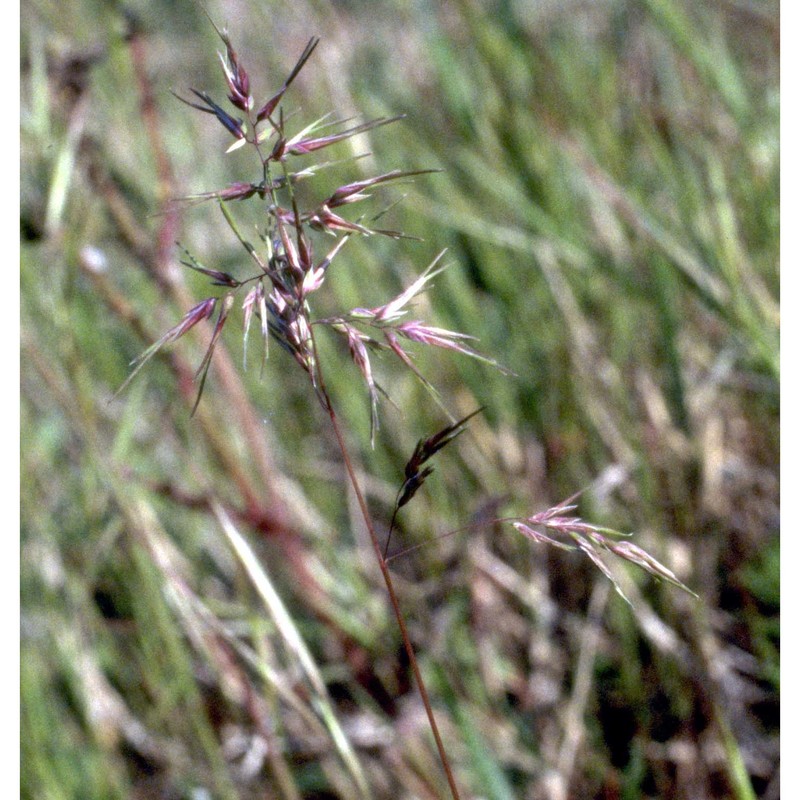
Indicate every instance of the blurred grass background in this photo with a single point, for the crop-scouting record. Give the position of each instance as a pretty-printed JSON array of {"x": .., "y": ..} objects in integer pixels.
[{"x": 201, "y": 612}]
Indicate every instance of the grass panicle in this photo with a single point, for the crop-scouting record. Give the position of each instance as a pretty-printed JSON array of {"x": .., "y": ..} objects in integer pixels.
[{"x": 206, "y": 561}]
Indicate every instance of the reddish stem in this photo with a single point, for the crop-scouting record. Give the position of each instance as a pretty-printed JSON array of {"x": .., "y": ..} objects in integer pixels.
[{"x": 387, "y": 579}]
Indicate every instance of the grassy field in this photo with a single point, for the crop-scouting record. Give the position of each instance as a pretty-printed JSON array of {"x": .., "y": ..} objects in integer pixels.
[{"x": 202, "y": 612}]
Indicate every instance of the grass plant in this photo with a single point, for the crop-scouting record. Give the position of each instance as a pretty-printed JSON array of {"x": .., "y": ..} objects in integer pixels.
[{"x": 204, "y": 601}]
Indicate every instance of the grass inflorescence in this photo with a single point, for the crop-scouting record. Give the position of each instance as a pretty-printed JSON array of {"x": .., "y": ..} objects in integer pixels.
[{"x": 596, "y": 202}]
